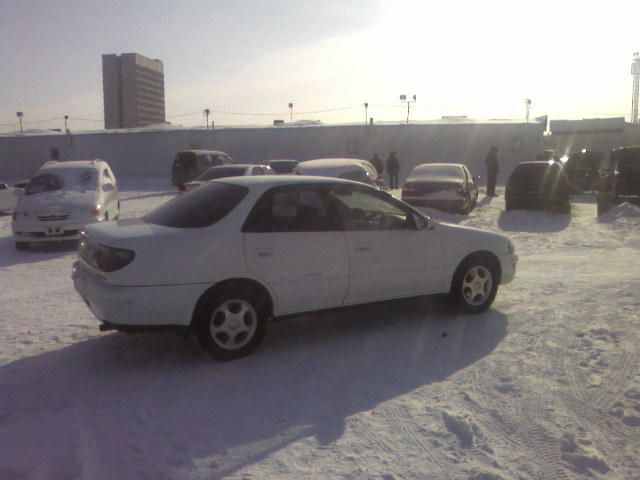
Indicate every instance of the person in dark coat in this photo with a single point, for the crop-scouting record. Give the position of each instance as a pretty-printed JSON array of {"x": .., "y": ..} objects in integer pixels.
[
  {"x": 492, "y": 171},
  {"x": 393, "y": 168},
  {"x": 377, "y": 163}
]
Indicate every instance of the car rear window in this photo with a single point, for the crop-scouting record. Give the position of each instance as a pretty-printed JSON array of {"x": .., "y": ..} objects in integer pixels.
[
  {"x": 201, "y": 207},
  {"x": 283, "y": 166},
  {"x": 221, "y": 172},
  {"x": 438, "y": 171}
]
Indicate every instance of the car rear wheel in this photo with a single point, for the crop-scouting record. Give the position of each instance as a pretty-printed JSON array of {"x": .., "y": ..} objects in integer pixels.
[
  {"x": 475, "y": 284},
  {"x": 231, "y": 324},
  {"x": 22, "y": 246}
]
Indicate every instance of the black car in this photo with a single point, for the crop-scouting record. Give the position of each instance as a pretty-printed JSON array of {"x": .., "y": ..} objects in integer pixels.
[
  {"x": 188, "y": 164},
  {"x": 538, "y": 186},
  {"x": 583, "y": 171},
  {"x": 449, "y": 187},
  {"x": 620, "y": 179}
]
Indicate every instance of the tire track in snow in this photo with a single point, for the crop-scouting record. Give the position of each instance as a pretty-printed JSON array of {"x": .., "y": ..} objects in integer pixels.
[{"x": 400, "y": 414}]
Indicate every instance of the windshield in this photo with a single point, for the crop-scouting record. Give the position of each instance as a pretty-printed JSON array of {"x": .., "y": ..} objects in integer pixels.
[
  {"x": 64, "y": 179},
  {"x": 438, "y": 171},
  {"x": 221, "y": 172},
  {"x": 201, "y": 207}
]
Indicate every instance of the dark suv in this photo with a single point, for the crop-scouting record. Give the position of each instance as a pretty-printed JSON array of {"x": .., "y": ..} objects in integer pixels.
[
  {"x": 583, "y": 171},
  {"x": 190, "y": 163},
  {"x": 620, "y": 180},
  {"x": 538, "y": 186}
]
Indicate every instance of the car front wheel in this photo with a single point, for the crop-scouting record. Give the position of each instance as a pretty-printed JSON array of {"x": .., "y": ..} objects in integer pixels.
[
  {"x": 231, "y": 325},
  {"x": 475, "y": 284}
]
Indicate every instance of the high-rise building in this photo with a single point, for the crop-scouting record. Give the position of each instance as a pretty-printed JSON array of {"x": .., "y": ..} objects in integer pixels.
[{"x": 133, "y": 88}]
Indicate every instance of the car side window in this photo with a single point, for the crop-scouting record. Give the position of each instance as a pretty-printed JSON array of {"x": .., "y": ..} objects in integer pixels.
[
  {"x": 107, "y": 175},
  {"x": 363, "y": 210},
  {"x": 290, "y": 209},
  {"x": 256, "y": 171}
]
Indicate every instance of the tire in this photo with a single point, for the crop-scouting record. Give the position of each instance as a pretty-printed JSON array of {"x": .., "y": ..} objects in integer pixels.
[
  {"x": 475, "y": 284},
  {"x": 466, "y": 210},
  {"x": 223, "y": 319},
  {"x": 22, "y": 246}
]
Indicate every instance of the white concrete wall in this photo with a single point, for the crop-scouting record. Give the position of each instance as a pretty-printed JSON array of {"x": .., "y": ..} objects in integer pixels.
[{"x": 150, "y": 154}]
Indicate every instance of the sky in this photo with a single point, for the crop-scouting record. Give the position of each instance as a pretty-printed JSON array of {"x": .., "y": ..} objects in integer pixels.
[{"x": 252, "y": 57}]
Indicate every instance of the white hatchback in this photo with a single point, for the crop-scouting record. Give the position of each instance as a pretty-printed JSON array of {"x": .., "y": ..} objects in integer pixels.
[
  {"x": 257, "y": 247},
  {"x": 61, "y": 198}
]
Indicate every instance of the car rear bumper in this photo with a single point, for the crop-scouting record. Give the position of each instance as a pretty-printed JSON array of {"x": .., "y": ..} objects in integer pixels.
[
  {"x": 136, "y": 306},
  {"x": 508, "y": 264}
]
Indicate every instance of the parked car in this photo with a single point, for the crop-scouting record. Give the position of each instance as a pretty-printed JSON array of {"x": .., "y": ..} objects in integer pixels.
[
  {"x": 8, "y": 197},
  {"x": 223, "y": 171},
  {"x": 583, "y": 170},
  {"x": 346, "y": 168},
  {"x": 444, "y": 186},
  {"x": 620, "y": 180},
  {"x": 538, "y": 186},
  {"x": 283, "y": 166},
  {"x": 61, "y": 198},
  {"x": 190, "y": 163},
  {"x": 254, "y": 248}
]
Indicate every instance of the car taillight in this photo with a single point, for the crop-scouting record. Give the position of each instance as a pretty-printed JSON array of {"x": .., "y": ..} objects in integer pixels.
[
  {"x": 110, "y": 259},
  {"x": 96, "y": 211}
]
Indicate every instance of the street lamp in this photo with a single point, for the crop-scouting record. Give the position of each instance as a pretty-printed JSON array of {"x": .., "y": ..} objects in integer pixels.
[
  {"x": 20, "y": 115},
  {"x": 408, "y": 101},
  {"x": 366, "y": 115},
  {"x": 206, "y": 113},
  {"x": 290, "y": 112},
  {"x": 527, "y": 104},
  {"x": 66, "y": 117}
]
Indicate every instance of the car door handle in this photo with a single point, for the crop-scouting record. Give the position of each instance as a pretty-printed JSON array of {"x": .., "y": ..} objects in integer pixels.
[
  {"x": 362, "y": 248},
  {"x": 263, "y": 253}
]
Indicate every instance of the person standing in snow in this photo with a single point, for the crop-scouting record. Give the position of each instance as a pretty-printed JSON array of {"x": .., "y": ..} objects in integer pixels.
[
  {"x": 377, "y": 163},
  {"x": 393, "y": 168},
  {"x": 492, "y": 171}
]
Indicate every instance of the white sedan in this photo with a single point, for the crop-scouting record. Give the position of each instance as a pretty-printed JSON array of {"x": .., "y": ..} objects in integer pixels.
[
  {"x": 8, "y": 197},
  {"x": 257, "y": 247},
  {"x": 61, "y": 198}
]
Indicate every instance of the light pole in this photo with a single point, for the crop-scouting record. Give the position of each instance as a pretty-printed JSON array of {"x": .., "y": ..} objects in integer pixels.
[
  {"x": 408, "y": 101},
  {"x": 366, "y": 114},
  {"x": 527, "y": 104},
  {"x": 20, "y": 115},
  {"x": 66, "y": 117},
  {"x": 206, "y": 113},
  {"x": 290, "y": 112}
]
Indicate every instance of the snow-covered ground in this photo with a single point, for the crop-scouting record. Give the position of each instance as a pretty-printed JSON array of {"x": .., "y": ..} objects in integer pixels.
[{"x": 545, "y": 385}]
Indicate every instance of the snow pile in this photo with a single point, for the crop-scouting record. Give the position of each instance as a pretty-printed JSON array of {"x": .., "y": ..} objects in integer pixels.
[{"x": 624, "y": 210}]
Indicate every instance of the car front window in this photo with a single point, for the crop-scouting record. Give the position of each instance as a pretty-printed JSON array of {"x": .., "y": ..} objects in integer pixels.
[
  {"x": 361, "y": 210},
  {"x": 45, "y": 182}
]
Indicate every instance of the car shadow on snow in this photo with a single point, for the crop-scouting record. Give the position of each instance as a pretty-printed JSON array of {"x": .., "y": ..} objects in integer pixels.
[
  {"x": 9, "y": 255},
  {"x": 146, "y": 405},
  {"x": 533, "y": 221}
]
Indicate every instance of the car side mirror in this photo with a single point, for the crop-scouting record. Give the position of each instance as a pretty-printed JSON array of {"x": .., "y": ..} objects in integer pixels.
[
  {"x": 107, "y": 187},
  {"x": 422, "y": 223}
]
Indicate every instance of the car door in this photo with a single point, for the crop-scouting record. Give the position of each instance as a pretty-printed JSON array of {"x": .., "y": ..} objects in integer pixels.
[
  {"x": 389, "y": 256},
  {"x": 292, "y": 244}
]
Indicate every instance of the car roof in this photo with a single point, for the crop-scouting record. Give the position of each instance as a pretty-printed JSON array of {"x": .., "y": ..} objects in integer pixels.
[
  {"x": 331, "y": 162},
  {"x": 73, "y": 164},
  {"x": 236, "y": 165},
  {"x": 278, "y": 180},
  {"x": 205, "y": 152}
]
